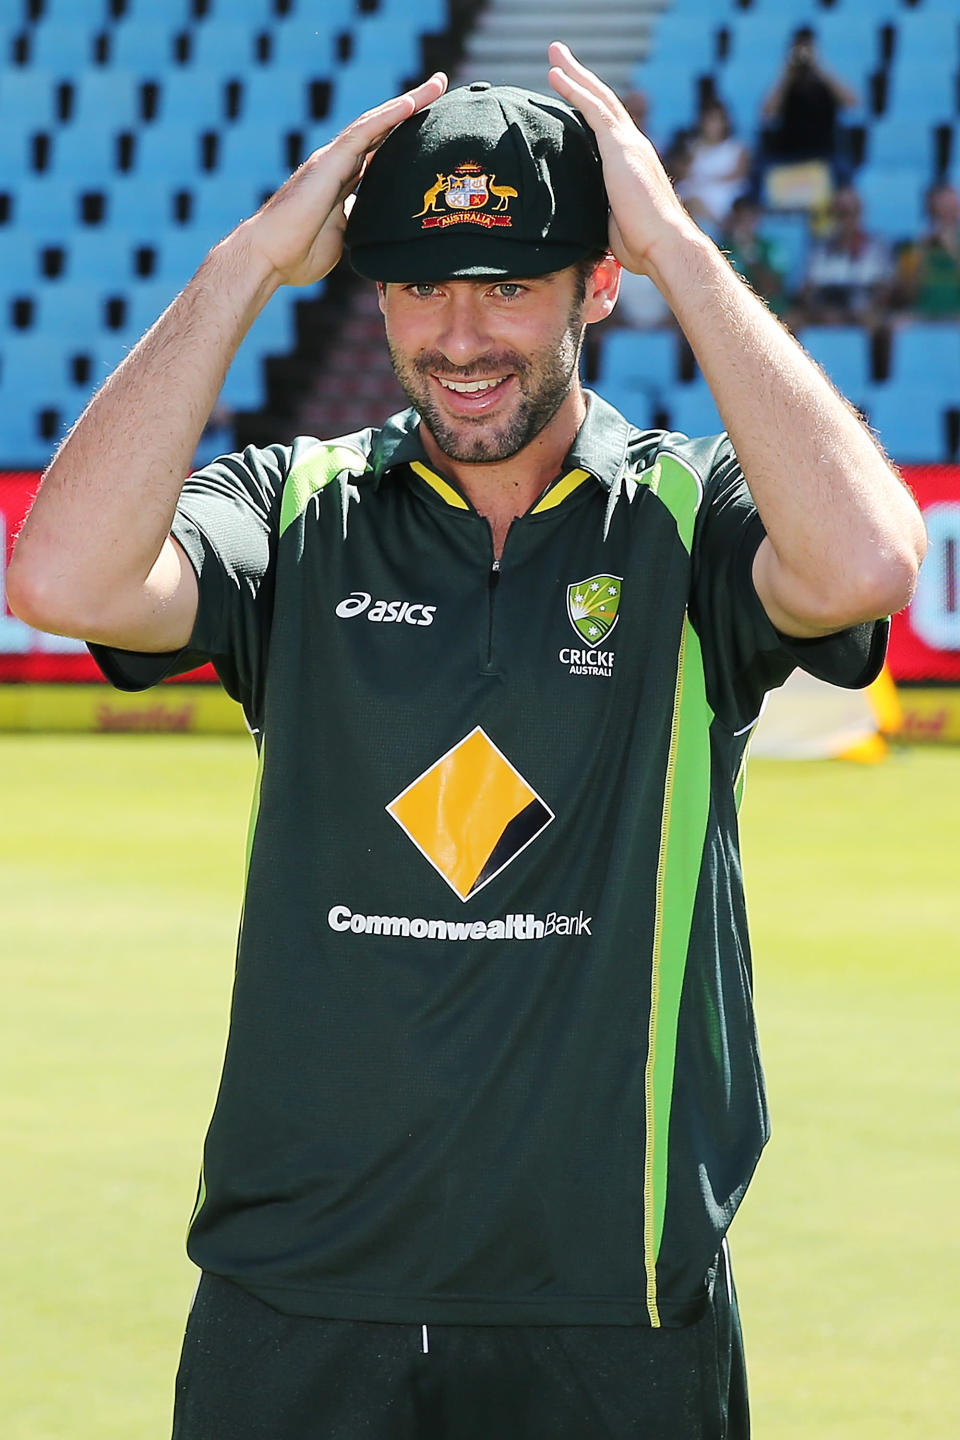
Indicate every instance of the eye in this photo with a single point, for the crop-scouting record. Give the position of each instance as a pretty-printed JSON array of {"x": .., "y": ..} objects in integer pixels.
[
  {"x": 424, "y": 290},
  {"x": 509, "y": 289}
]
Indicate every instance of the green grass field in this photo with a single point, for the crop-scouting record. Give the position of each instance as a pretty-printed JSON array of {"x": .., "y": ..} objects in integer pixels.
[{"x": 119, "y": 890}]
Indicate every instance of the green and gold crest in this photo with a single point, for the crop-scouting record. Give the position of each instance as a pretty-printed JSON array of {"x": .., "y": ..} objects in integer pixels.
[{"x": 593, "y": 606}]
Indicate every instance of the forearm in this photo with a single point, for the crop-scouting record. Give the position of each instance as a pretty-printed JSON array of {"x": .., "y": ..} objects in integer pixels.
[
  {"x": 845, "y": 537},
  {"x": 107, "y": 501}
]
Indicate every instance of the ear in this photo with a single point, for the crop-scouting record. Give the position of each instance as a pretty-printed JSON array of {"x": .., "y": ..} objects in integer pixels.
[
  {"x": 381, "y": 292},
  {"x": 603, "y": 287}
]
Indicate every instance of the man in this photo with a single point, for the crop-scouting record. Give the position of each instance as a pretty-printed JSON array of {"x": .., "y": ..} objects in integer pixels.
[
  {"x": 929, "y": 268},
  {"x": 491, "y": 1094}
]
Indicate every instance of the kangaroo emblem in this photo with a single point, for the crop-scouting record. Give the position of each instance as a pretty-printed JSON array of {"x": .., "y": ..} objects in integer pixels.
[
  {"x": 433, "y": 195},
  {"x": 504, "y": 193}
]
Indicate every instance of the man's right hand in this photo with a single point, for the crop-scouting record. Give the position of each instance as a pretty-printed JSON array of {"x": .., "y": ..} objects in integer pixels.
[{"x": 299, "y": 231}]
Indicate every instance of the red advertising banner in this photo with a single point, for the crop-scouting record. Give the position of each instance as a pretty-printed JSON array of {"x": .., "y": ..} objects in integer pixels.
[
  {"x": 28, "y": 655},
  {"x": 924, "y": 642},
  {"x": 925, "y": 638}
]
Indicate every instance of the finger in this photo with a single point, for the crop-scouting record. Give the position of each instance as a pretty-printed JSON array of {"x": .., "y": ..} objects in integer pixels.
[
  {"x": 371, "y": 128},
  {"x": 581, "y": 87}
]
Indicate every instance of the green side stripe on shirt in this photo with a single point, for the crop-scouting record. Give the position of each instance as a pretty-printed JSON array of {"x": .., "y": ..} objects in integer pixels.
[
  {"x": 686, "y": 804},
  {"x": 679, "y": 488},
  {"x": 311, "y": 474}
]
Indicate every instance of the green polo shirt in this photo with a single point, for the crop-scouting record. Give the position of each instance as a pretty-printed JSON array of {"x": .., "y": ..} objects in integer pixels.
[{"x": 492, "y": 1055}]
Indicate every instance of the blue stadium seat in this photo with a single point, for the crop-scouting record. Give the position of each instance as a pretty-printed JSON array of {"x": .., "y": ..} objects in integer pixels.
[
  {"x": 92, "y": 13},
  {"x": 426, "y": 14},
  {"x": 892, "y": 200},
  {"x": 186, "y": 95},
  {"x": 638, "y": 403},
  {"x": 379, "y": 43},
  {"x": 923, "y": 32},
  {"x": 899, "y": 141},
  {"x": 66, "y": 47},
  {"x": 254, "y": 150},
  {"x": 39, "y": 367},
  {"x": 675, "y": 41},
  {"x": 357, "y": 88},
  {"x": 147, "y": 49},
  {"x": 928, "y": 354},
  {"x": 305, "y": 44},
  {"x": 86, "y": 155},
  {"x": 923, "y": 91},
  {"x": 692, "y": 409},
  {"x": 176, "y": 13},
  {"x": 146, "y": 302},
  {"x": 71, "y": 313},
  {"x": 762, "y": 38},
  {"x": 245, "y": 386},
  {"x": 106, "y": 92},
  {"x": 142, "y": 201},
  {"x": 743, "y": 85},
  {"x": 224, "y": 48},
  {"x": 103, "y": 257},
  {"x": 27, "y": 98},
  {"x": 670, "y": 89},
  {"x": 909, "y": 421},
  {"x": 43, "y": 203},
  {"x": 22, "y": 442},
  {"x": 261, "y": 88},
  {"x": 179, "y": 253},
  {"x": 848, "y": 39},
  {"x": 639, "y": 357},
  {"x": 171, "y": 151},
  {"x": 15, "y": 155},
  {"x": 221, "y": 202},
  {"x": 19, "y": 261},
  {"x": 844, "y": 353}
]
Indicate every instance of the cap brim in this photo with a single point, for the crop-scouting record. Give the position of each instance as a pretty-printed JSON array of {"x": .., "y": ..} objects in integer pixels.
[{"x": 443, "y": 258}]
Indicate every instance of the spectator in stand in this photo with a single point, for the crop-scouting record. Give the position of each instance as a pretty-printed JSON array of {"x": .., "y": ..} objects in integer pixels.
[
  {"x": 850, "y": 273},
  {"x": 803, "y": 107},
  {"x": 928, "y": 270},
  {"x": 754, "y": 255},
  {"x": 718, "y": 169}
]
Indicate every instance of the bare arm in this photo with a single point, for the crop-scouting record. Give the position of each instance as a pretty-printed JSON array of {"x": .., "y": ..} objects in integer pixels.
[
  {"x": 95, "y": 558},
  {"x": 844, "y": 538}
]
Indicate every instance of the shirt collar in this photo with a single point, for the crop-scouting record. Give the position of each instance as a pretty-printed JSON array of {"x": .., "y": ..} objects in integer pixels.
[{"x": 600, "y": 446}]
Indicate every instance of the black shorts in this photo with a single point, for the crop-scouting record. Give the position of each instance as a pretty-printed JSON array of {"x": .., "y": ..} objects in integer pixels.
[{"x": 249, "y": 1372}]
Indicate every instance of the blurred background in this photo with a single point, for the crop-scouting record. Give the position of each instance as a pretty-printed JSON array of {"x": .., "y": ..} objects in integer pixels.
[{"x": 820, "y": 145}]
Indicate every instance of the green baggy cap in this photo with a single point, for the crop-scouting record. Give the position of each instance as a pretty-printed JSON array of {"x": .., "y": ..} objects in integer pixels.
[{"x": 488, "y": 180}]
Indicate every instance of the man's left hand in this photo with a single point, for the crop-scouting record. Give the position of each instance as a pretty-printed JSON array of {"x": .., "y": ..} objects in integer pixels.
[{"x": 644, "y": 208}]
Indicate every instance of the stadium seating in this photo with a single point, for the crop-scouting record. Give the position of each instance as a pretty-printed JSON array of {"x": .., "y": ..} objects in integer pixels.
[{"x": 844, "y": 353}]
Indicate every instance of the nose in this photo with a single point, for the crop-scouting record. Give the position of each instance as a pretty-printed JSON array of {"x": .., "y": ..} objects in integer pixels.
[{"x": 464, "y": 335}]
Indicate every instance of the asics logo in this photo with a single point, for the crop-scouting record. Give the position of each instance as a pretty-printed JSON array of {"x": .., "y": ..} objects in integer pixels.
[{"x": 359, "y": 602}]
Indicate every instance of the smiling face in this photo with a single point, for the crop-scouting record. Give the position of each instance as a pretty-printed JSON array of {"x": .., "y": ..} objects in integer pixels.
[{"x": 489, "y": 363}]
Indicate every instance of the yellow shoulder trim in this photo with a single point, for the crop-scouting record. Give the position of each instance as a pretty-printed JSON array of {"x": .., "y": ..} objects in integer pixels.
[
  {"x": 445, "y": 491},
  {"x": 559, "y": 492}
]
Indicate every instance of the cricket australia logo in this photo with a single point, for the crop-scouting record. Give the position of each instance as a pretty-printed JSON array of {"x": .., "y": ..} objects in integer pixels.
[
  {"x": 593, "y": 607},
  {"x": 467, "y": 192}
]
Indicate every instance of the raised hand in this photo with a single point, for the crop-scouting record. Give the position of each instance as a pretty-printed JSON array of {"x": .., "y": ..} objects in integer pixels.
[
  {"x": 299, "y": 231},
  {"x": 644, "y": 207}
]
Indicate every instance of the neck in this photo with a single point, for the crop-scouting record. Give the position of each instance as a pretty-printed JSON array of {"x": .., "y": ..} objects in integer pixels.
[{"x": 502, "y": 490}]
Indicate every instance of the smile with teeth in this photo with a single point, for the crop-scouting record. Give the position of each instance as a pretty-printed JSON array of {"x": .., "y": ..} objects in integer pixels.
[{"x": 469, "y": 387}]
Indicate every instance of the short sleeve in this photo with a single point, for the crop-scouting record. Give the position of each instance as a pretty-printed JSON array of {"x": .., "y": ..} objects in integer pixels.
[
  {"x": 744, "y": 655},
  {"x": 226, "y": 523}
]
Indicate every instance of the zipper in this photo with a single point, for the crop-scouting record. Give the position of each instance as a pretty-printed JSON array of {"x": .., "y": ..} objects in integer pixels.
[{"x": 492, "y": 582}]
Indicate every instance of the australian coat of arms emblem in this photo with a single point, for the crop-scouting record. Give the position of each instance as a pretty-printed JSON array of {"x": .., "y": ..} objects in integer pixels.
[
  {"x": 593, "y": 607},
  {"x": 470, "y": 196}
]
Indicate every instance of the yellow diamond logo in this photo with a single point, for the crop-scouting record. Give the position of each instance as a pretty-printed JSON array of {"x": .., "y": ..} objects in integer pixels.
[{"x": 471, "y": 813}]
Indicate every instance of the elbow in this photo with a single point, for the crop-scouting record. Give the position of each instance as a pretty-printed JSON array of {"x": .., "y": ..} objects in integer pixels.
[
  {"x": 883, "y": 587},
  {"x": 37, "y": 600}
]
